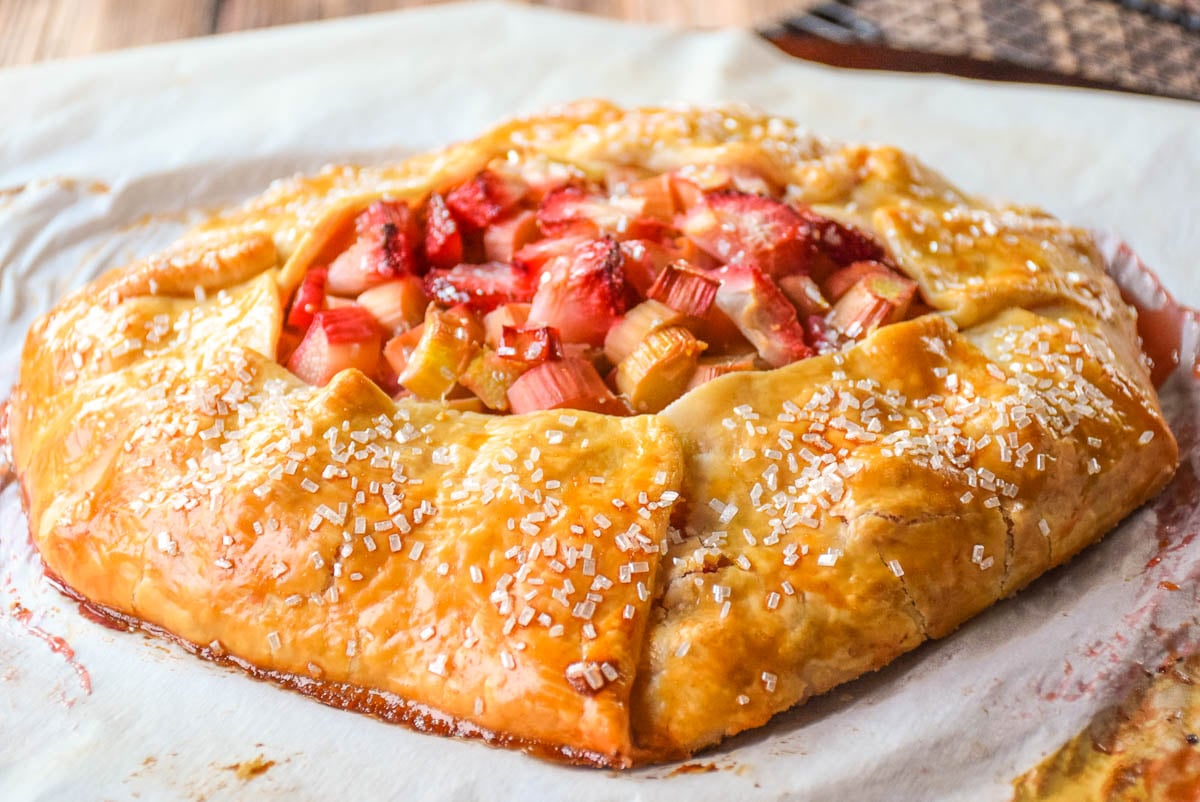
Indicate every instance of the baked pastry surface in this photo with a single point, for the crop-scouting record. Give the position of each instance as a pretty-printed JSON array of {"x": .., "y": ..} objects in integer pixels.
[{"x": 612, "y": 590}]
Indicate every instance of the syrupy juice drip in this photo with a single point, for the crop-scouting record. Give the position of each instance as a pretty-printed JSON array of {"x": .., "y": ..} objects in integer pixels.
[
  {"x": 57, "y": 645},
  {"x": 1168, "y": 329}
]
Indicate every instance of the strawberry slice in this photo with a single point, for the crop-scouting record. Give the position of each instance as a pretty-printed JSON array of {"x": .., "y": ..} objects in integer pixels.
[
  {"x": 569, "y": 383},
  {"x": 485, "y": 198},
  {"x": 582, "y": 293},
  {"x": 309, "y": 298},
  {"x": 762, "y": 313},
  {"x": 481, "y": 287},
  {"x": 571, "y": 210},
  {"x": 338, "y": 339},
  {"x": 530, "y": 344},
  {"x": 505, "y": 237},
  {"x": 534, "y": 257},
  {"x": 684, "y": 289},
  {"x": 732, "y": 226},
  {"x": 386, "y": 248},
  {"x": 841, "y": 243},
  {"x": 443, "y": 240}
]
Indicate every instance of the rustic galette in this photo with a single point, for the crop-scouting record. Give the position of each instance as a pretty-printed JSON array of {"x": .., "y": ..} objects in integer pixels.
[{"x": 606, "y": 435}]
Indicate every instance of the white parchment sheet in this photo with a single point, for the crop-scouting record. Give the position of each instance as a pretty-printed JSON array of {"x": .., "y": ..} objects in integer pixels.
[{"x": 104, "y": 156}]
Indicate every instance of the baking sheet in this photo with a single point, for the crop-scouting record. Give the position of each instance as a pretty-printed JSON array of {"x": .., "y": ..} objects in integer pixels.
[{"x": 105, "y": 156}]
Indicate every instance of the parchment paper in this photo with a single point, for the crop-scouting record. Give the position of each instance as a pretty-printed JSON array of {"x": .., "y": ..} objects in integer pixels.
[{"x": 105, "y": 155}]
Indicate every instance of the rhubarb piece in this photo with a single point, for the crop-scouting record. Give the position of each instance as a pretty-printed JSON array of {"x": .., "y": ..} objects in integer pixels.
[
  {"x": 503, "y": 315},
  {"x": 643, "y": 260},
  {"x": 839, "y": 282},
  {"x": 582, "y": 293},
  {"x": 804, "y": 294},
  {"x": 687, "y": 193},
  {"x": 733, "y": 226},
  {"x": 386, "y": 248},
  {"x": 876, "y": 300},
  {"x": 443, "y": 240},
  {"x": 441, "y": 355},
  {"x": 657, "y": 196},
  {"x": 570, "y": 210},
  {"x": 569, "y": 383},
  {"x": 337, "y": 340},
  {"x": 685, "y": 289},
  {"x": 485, "y": 198},
  {"x": 710, "y": 367},
  {"x": 399, "y": 349},
  {"x": 505, "y": 237},
  {"x": 489, "y": 376},
  {"x": 482, "y": 287},
  {"x": 398, "y": 305},
  {"x": 659, "y": 368},
  {"x": 762, "y": 313},
  {"x": 637, "y": 324},
  {"x": 310, "y": 298},
  {"x": 467, "y": 324},
  {"x": 530, "y": 344}
]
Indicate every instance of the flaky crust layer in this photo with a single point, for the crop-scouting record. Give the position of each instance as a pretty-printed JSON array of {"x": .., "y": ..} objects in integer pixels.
[{"x": 611, "y": 590}]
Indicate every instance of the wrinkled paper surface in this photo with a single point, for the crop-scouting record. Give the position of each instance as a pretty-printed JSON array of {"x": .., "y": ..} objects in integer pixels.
[{"x": 107, "y": 155}]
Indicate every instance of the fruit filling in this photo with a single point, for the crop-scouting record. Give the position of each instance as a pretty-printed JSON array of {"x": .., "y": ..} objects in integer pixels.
[{"x": 511, "y": 296}]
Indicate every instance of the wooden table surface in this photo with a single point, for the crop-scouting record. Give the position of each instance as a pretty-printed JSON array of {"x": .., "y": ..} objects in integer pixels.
[{"x": 35, "y": 30}]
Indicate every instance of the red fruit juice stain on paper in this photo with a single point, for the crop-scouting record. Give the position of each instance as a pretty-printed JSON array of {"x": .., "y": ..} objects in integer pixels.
[{"x": 57, "y": 645}]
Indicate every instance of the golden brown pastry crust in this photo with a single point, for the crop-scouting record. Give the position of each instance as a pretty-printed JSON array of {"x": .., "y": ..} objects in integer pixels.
[{"x": 520, "y": 575}]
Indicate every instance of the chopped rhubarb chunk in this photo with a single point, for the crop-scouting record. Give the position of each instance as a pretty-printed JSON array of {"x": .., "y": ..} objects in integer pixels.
[
  {"x": 840, "y": 281},
  {"x": 503, "y": 315},
  {"x": 398, "y": 305},
  {"x": 443, "y": 240},
  {"x": 710, "y": 368},
  {"x": 441, "y": 355},
  {"x": 683, "y": 288},
  {"x": 657, "y": 194},
  {"x": 386, "y": 248},
  {"x": 874, "y": 301},
  {"x": 337, "y": 340},
  {"x": 804, "y": 294},
  {"x": 571, "y": 210},
  {"x": 643, "y": 260},
  {"x": 504, "y": 238},
  {"x": 530, "y": 344},
  {"x": 687, "y": 192},
  {"x": 399, "y": 349},
  {"x": 482, "y": 287},
  {"x": 489, "y": 376},
  {"x": 485, "y": 198},
  {"x": 658, "y": 370},
  {"x": 733, "y": 226},
  {"x": 569, "y": 383},
  {"x": 582, "y": 293},
  {"x": 310, "y": 298},
  {"x": 762, "y": 313},
  {"x": 637, "y": 324}
]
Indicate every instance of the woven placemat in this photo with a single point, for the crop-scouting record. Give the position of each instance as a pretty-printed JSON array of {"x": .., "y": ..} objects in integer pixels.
[{"x": 1150, "y": 46}]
